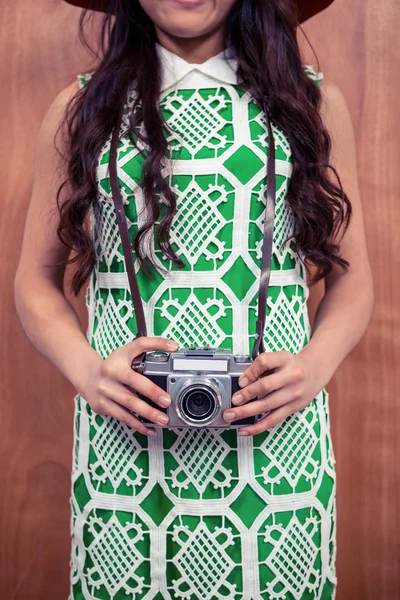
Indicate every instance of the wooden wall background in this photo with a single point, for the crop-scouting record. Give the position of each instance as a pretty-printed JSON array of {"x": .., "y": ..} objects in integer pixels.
[{"x": 357, "y": 44}]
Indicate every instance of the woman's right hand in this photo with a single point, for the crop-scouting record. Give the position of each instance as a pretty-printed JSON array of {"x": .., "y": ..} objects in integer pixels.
[{"x": 112, "y": 384}]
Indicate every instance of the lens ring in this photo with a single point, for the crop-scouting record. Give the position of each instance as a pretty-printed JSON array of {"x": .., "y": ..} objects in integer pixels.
[
  {"x": 202, "y": 392},
  {"x": 198, "y": 402}
]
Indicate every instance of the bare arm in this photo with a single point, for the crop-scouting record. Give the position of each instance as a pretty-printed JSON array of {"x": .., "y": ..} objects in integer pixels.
[
  {"x": 345, "y": 311},
  {"x": 48, "y": 318}
]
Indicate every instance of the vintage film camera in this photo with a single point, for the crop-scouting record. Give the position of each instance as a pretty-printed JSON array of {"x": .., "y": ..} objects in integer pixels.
[{"x": 200, "y": 381}]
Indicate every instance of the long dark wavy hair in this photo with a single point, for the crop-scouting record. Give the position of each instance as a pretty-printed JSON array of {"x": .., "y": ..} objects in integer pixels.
[{"x": 270, "y": 67}]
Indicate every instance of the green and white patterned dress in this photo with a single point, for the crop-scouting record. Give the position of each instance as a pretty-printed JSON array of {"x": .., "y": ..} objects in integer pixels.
[{"x": 203, "y": 514}]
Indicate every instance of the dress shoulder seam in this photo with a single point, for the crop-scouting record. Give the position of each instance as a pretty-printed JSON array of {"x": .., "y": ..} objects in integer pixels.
[
  {"x": 83, "y": 78},
  {"x": 316, "y": 76}
]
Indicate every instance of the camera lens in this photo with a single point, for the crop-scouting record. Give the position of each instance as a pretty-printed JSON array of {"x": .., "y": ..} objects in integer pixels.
[{"x": 198, "y": 402}]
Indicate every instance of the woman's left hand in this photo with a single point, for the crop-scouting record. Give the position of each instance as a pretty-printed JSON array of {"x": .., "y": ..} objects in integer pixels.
[{"x": 284, "y": 383}]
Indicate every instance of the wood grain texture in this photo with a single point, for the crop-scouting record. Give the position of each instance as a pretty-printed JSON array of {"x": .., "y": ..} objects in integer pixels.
[
  {"x": 39, "y": 56},
  {"x": 357, "y": 45}
]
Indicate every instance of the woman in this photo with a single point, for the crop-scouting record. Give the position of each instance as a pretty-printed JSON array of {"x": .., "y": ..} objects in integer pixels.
[{"x": 165, "y": 512}]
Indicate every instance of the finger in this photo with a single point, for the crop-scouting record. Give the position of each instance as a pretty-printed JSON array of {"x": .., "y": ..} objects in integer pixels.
[
  {"x": 265, "y": 361},
  {"x": 261, "y": 387},
  {"x": 113, "y": 409},
  {"x": 122, "y": 373},
  {"x": 272, "y": 420},
  {"x": 143, "y": 385},
  {"x": 146, "y": 344},
  {"x": 255, "y": 407},
  {"x": 128, "y": 399}
]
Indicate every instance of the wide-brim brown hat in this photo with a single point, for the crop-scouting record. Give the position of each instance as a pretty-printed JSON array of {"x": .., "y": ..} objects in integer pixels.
[{"x": 307, "y": 8}]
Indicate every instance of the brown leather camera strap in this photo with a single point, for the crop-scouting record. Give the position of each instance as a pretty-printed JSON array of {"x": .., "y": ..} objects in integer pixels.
[
  {"x": 258, "y": 346},
  {"x": 123, "y": 230},
  {"x": 266, "y": 256}
]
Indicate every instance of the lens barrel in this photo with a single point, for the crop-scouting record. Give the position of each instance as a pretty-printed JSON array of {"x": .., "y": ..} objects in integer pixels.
[{"x": 198, "y": 401}]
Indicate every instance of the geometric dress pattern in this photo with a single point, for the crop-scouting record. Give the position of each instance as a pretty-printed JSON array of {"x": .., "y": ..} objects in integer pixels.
[{"x": 202, "y": 514}]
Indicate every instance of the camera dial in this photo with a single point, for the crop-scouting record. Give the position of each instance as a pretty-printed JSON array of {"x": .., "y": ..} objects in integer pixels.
[
  {"x": 157, "y": 356},
  {"x": 241, "y": 358}
]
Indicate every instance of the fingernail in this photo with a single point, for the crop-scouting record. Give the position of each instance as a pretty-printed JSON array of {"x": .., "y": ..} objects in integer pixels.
[
  {"x": 172, "y": 345},
  {"x": 240, "y": 432},
  {"x": 237, "y": 399},
  {"x": 243, "y": 381},
  {"x": 229, "y": 415},
  {"x": 165, "y": 400},
  {"x": 152, "y": 432},
  {"x": 162, "y": 419}
]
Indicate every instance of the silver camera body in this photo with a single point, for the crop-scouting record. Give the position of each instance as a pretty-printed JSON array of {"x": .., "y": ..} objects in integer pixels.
[{"x": 200, "y": 382}]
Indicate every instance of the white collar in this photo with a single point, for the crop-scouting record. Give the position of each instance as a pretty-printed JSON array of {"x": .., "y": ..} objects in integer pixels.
[{"x": 221, "y": 66}]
